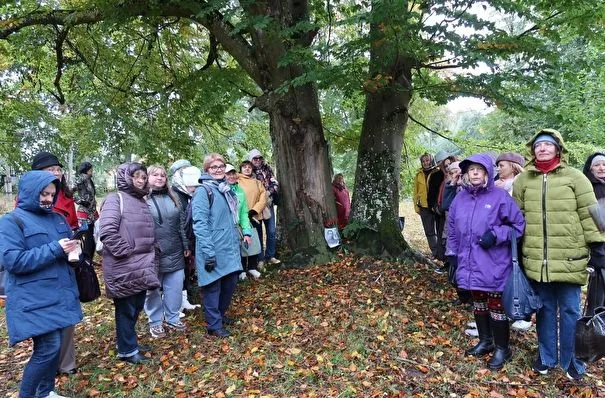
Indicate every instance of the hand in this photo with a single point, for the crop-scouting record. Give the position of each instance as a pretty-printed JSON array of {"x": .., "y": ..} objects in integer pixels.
[
  {"x": 252, "y": 213},
  {"x": 253, "y": 221},
  {"x": 247, "y": 240},
  {"x": 187, "y": 253},
  {"x": 452, "y": 261},
  {"x": 487, "y": 240},
  {"x": 69, "y": 245},
  {"x": 210, "y": 264}
]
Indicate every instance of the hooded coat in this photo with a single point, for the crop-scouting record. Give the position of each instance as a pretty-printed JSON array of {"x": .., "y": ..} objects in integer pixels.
[
  {"x": 597, "y": 185},
  {"x": 128, "y": 236},
  {"x": 42, "y": 295},
  {"x": 559, "y": 227},
  {"x": 216, "y": 234},
  {"x": 472, "y": 213}
]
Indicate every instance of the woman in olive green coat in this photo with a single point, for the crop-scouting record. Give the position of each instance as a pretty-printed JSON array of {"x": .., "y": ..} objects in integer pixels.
[{"x": 555, "y": 199}]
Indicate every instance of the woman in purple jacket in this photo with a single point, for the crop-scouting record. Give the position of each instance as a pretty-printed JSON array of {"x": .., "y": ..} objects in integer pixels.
[
  {"x": 480, "y": 221},
  {"x": 129, "y": 263}
]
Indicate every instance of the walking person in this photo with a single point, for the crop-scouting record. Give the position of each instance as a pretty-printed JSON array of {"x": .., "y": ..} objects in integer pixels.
[
  {"x": 42, "y": 295},
  {"x": 480, "y": 221},
  {"x": 85, "y": 197},
  {"x": 164, "y": 303},
  {"x": 555, "y": 199},
  {"x": 264, "y": 173},
  {"x": 217, "y": 253},
  {"x": 66, "y": 206},
  {"x": 129, "y": 255}
]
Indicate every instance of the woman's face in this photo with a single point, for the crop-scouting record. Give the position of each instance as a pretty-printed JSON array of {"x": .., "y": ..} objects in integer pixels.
[
  {"x": 454, "y": 173},
  {"x": 231, "y": 177},
  {"x": 157, "y": 179},
  {"x": 505, "y": 169},
  {"x": 545, "y": 151},
  {"x": 47, "y": 196},
  {"x": 476, "y": 174},
  {"x": 56, "y": 170},
  {"x": 139, "y": 179},
  {"x": 598, "y": 169},
  {"x": 247, "y": 170},
  {"x": 217, "y": 170}
]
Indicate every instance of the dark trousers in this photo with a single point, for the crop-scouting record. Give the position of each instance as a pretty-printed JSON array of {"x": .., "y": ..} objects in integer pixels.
[
  {"x": 217, "y": 297},
  {"x": 429, "y": 223},
  {"x": 39, "y": 373},
  {"x": 127, "y": 311},
  {"x": 250, "y": 262},
  {"x": 89, "y": 244}
]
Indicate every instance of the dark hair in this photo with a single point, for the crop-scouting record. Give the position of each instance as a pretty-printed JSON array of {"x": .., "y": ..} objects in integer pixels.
[
  {"x": 65, "y": 188},
  {"x": 245, "y": 162}
]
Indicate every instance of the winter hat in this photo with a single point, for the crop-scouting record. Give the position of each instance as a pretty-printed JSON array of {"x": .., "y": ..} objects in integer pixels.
[
  {"x": 179, "y": 164},
  {"x": 191, "y": 176},
  {"x": 545, "y": 138},
  {"x": 253, "y": 154},
  {"x": 453, "y": 165},
  {"x": 84, "y": 167},
  {"x": 441, "y": 156},
  {"x": 45, "y": 159},
  {"x": 596, "y": 159},
  {"x": 228, "y": 168},
  {"x": 511, "y": 157}
]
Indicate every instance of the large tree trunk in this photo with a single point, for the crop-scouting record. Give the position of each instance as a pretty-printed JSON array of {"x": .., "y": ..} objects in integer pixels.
[{"x": 374, "y": 224}]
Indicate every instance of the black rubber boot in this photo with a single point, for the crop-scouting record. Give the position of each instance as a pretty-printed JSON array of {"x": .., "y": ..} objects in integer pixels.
[
  {"x": 502, "y": 352},
  {"x": 486, "y": 341}
]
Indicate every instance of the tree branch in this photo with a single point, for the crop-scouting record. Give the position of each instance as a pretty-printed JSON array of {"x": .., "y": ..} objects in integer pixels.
[
  {"x": 536, "y": 26},
  {"x": 61, "y": 36},
  {"x": 430, "y": 129}
]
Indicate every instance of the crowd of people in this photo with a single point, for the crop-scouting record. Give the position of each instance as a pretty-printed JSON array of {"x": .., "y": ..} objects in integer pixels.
[
  {"x": 470, "y": 211},
  {"x": 167, "y": 227}
]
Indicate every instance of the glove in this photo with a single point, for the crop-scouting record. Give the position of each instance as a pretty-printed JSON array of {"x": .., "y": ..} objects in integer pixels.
[
  {"x": 452, "y": 261},
  {"x": 210, "y": 264},
  {"x": 252, "y": 213},
  {"x": 487, "y": 240}
]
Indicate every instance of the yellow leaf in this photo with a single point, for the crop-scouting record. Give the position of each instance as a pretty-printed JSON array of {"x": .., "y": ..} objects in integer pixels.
[{"x": 230, "y": 389}]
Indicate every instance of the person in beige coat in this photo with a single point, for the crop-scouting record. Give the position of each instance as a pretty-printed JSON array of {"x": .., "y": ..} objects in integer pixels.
[{"x": 256, "y": 197}]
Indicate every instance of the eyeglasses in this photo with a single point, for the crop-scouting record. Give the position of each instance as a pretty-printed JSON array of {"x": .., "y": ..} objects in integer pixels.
[
  {"x": 54, "y": 169},
  {"x": 215, "y": 168},
  {"x": 257, "y": 158}
]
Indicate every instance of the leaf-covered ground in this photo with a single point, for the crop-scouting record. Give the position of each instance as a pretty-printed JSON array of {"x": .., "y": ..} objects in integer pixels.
[{"x": 353, "y": 328}]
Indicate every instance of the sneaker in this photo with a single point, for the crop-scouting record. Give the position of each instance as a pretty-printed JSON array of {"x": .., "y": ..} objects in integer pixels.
[
  {"x": 242, "y": 276},
  {"x": 53, "y": 394},
  {"x": 157, "y": 331},
  {"x": 471, "y": 332},
  {"x": 273, "y": 260},
  {"x": 538, "y": 367},
  {"x": 254, "y": 273},
  {"x": 185, "y": 304},
  {"x": 261, "y": 266},
  {"x": 472, "y": 324},
  {"x": 178, "y": 326},
  {"x": 441, "y": 270},
  {"x": 572, "y": 374},
  {"x": 521, "y": 325},
  {"x": 181, "y": 314}
]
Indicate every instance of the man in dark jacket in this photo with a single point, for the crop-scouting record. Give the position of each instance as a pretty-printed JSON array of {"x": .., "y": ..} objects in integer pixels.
[{"x": 85, "y": 196}]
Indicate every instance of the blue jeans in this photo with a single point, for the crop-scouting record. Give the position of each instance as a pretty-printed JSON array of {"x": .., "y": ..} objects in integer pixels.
[
  {"x": 564, "y": 299},
  {"x": 217, "y": 297},
  {"x": 127, "y": 311},
  {"x": 269, "y": 251},
  {"x": 158, "y": 306},
  {"x": 39, "y": 373}
]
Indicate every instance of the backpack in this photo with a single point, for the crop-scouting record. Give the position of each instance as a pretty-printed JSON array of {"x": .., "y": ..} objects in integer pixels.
[
  {"x": 97, "y": 230},
  {"x": 189, "y": 217}
]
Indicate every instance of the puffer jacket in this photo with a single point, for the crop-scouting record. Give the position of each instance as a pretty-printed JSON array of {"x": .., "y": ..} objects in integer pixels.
[
  {"x": 216, "y": 234},
  {"x": 42, "y": 295},
  {"x": 473, "y": 212},
  {"x": 559, "y": 227},
  {"x": 128, "y": 238},
  {"x": 169, "y": 231},
  {"x": 256, "y": 199}
]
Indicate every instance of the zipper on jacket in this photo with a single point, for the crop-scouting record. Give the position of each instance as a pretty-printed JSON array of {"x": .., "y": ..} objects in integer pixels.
[
  {"x": 545, "y": 249},
  {"x": 470, "y": 231}
]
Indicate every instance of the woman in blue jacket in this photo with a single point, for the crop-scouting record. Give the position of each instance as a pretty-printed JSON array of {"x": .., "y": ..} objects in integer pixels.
[
  {"x": 42, "y": 295},
  {"x": 217, "y": 246}
]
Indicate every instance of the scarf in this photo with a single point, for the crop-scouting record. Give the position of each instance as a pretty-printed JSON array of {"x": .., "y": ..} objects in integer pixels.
[
  {"x": 506, "y": 184},
  {"x": 225, "y": 189},
  {"x": 546, "y": 166}
]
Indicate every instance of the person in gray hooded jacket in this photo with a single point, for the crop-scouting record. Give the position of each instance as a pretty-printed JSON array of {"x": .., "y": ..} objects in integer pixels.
[{"x": 170, "y": 237}]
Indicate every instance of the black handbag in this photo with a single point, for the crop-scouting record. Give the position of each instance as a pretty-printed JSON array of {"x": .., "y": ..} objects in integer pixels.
[
  {"x": 590, "y": 336},
  {"x": 519, "y": 298},
  {"x": 87, "y": 280}
]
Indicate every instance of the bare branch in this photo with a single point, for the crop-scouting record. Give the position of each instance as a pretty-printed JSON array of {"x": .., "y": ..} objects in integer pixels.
[
  {"x": 430, "y": 129},
  {"x": 537, "y": 26},
  {"x": 61, "y": 36}
]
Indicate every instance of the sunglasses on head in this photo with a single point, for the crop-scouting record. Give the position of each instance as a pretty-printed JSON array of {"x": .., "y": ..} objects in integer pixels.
[{"x": 257, "y": 158}]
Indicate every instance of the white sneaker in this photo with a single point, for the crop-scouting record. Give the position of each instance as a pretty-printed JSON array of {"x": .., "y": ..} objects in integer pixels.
[
  {"x": 521, "y": 325},
  {"x": 472, "y": 324},
  {"x": 185, "y": 304},
  {"x": 261, "y": 266},
  {"x": 181, "y": 314},
  {"x": 53, "y": 394},
  {"x": 243, "y": 276},
  {"x": 273, "y": 260},
  {"x": 471, "y": 332},
  {"x": 254, "y": 273}
]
